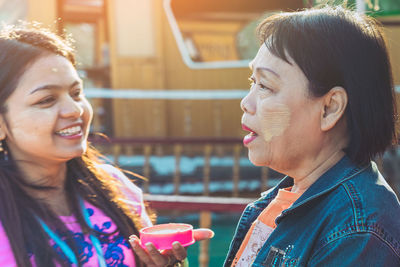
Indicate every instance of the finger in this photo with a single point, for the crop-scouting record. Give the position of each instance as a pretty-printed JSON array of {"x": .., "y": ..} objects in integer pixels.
[
  {"x": 140, "y": 252},
  {"x": 178, "y": 251},
  {"x": 202, "y": 234},
  {"x": 156, "y": 256}
]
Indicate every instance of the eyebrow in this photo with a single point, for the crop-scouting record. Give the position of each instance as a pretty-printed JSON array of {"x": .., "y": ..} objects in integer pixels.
[
  {"x": 269, "y": 70},
  {"x": 263, "y": 68},
  {"x": 53, "y": 86}
]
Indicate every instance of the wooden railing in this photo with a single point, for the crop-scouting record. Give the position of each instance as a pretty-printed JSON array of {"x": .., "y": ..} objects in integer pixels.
[{"x": 205, "y": 146}]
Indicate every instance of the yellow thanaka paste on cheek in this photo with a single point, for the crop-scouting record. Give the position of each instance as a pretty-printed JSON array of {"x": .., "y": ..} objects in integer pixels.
[{"x": 274, "y": 122}]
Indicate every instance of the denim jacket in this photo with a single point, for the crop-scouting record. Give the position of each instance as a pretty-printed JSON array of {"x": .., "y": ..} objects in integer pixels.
[{"x": 348, "y": 217}]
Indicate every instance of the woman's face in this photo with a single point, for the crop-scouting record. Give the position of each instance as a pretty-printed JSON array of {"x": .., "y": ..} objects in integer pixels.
[
  {"x": 47, "y": 116},
  {"x": 282, "y": 117}
]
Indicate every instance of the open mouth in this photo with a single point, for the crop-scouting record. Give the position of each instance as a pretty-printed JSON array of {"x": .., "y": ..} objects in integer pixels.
[
  {"x": 71, "y": 131},
  {"x": 250, "y": 137}
]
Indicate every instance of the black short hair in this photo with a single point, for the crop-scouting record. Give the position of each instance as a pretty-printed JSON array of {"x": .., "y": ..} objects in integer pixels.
[{"x": 334, "y": 46}]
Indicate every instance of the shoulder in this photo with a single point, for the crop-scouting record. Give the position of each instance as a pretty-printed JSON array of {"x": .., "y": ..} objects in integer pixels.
[
  {"x": 123, "y": 182},
  {"x": 371, "y": 198},
  {"x": 130, "y": 193},
  {"x": 111, "y": 170},
  {"x": 365, "y": 197},
  {"x": 364, "y": 209}
]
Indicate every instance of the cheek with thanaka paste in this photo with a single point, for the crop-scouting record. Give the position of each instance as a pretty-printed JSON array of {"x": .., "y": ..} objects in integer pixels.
[
  {"x": 274, "y": 122},
  {"x": 29, "y": 120}
]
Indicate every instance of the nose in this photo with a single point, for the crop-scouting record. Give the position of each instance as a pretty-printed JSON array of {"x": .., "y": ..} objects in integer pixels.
[
  {"x": 247, "y": 104},
  {"x": 71, "y": 108}
]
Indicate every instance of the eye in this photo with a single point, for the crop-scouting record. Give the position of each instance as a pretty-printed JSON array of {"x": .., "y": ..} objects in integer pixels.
[
  {"x": 260, "y": 85},
  {"x": 77, "y": 93},
  {"x": 47, "y": 100},
  {"x": 263, "y": 87}
]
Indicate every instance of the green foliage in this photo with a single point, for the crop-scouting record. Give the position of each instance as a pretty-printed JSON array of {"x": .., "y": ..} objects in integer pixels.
[{"x": 372, "y": 7}]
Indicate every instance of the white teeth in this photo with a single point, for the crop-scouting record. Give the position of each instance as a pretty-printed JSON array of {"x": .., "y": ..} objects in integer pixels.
[{"x": 70, "y": 131}]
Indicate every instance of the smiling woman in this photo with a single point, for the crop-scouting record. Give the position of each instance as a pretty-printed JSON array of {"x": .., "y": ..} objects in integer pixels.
[
  {"x": 55, "y": 195},
  {"x": 59, "y": 204}
]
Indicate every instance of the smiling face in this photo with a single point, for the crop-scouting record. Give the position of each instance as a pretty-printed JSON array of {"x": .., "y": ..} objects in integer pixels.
[
  {"x": 283, "y": 119},
  {"x": 47, "y": 117}
]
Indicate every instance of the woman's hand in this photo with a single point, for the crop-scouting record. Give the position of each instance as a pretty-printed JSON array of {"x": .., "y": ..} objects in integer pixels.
[{"x": 155, "y": 258}]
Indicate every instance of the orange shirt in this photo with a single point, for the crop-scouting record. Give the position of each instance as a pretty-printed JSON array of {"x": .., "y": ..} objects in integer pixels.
[{"x": 262, "y": 227}]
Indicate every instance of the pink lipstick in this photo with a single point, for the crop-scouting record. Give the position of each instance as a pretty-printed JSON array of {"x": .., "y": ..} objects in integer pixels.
[{"x": 250, "y": 137}]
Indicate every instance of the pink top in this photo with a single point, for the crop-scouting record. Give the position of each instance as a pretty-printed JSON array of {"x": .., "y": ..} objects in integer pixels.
[{"x": 116, "y": 249}]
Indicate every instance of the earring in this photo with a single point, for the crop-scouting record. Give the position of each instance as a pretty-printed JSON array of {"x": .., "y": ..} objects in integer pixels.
[{"x": 3, "y": 150}]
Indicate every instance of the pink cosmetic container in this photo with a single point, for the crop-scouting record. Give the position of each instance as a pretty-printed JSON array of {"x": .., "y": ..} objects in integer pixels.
[{"x": 163, "y": 235}]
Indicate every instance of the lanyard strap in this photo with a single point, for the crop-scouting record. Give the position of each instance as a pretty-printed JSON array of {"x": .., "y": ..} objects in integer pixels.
[
  {"x": 61, "y": 243},
  {"x": 64, "y": 246},
  {"x": 95, "y": 240}
]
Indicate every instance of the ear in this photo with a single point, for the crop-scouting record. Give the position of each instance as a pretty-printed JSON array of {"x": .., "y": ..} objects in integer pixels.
[
  {"x": 2, "y": 128},
  {"x": 335, "y": 103}
]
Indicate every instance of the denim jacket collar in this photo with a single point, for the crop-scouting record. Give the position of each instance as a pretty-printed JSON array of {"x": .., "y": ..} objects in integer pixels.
[{"x": 343, "y": 170}]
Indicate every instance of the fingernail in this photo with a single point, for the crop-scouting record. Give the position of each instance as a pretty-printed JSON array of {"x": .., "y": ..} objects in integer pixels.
[
  {"x": 149, "y": 246},
  {"x": 176, "y": 245},
  {"x": 133, "y": 237}
]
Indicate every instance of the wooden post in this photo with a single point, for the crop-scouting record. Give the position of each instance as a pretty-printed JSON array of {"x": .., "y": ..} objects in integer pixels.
[
  {"x": 146, "y": 167},
  {"x": 205, "y": 222},
  {"x": 187, "y": 118},
  {"x": 177, "y": 175},
  {"x": 206, "y": 169},
  {"x": 217, "y": 115},
  {"x": 236, "y": 170},
  {"x": 129, "y": 150},
  {"x": 188, "y": 123}
]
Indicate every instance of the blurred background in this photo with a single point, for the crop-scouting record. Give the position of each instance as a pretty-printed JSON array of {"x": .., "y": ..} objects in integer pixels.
[{"x": 165, "y": 78}]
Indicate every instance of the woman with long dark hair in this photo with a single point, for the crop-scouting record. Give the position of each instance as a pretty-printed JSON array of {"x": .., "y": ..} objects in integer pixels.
[{"x": 59, "y": 204}]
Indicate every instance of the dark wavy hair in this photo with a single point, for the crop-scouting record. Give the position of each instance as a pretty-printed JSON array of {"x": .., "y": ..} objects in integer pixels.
[
  {"x": 334, "y": 46},
  {"x": 20, "y": 47}
]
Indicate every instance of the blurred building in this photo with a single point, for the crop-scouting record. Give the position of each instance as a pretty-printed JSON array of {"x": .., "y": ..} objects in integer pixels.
[{"x": 172, "y": 45}]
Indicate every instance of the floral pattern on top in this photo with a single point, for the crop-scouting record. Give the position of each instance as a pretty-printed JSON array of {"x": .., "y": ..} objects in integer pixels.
[{"x": 116, "y": 249}]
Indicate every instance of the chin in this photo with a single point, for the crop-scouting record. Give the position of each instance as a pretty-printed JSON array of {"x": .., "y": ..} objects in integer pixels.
[
  {"x": 257, "y": 161},
  {"x": 74, "y": 154}
]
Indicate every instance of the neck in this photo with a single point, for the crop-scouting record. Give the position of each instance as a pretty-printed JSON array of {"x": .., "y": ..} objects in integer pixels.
[
  {"x": 320, "y": 158},
  {"x": 50, "y": 176},
  {"x": 303, "y": 180}
]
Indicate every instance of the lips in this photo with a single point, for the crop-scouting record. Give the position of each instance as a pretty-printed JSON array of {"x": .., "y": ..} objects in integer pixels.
[
  {"x": 72, "y": 131},
  {"x": 250, "y": 137}
]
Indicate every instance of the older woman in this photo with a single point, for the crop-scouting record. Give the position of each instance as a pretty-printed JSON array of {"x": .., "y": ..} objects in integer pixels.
[{"x": 320, "y": 108}]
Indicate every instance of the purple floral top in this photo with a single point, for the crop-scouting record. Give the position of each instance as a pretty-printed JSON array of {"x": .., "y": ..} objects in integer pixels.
[{"x": 116, "y": 249}]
